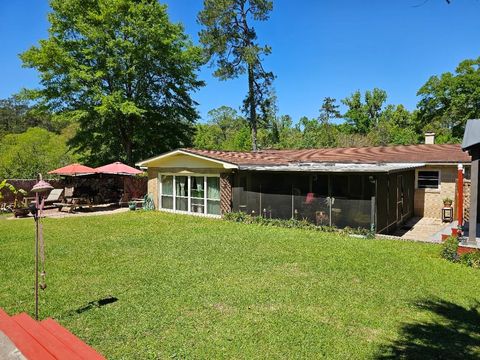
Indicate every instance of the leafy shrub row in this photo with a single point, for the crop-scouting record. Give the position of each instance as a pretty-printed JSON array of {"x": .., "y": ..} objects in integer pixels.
[
  {"x": 449, "y": 252},
  {"x": 292, "y": 223}
]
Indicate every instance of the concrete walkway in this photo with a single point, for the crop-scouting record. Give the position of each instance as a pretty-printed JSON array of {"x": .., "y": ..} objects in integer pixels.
[
  {"x": 423, "y": 229},
  {"x": 97, "y": 210}
]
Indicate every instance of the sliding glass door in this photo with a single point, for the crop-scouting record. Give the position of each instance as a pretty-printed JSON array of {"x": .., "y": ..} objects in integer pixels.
[{"x": 199, "y": 194}]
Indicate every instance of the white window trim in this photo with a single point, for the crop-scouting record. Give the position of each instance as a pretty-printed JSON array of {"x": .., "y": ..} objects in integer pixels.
[
  {"x": 189, "y": 197},
  {"x": 437, "y": 190}
]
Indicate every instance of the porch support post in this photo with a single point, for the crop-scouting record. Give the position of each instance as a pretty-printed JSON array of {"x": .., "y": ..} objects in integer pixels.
[
  {"x": 472, "y": 230},
  {"x": 460, "y": 196}
]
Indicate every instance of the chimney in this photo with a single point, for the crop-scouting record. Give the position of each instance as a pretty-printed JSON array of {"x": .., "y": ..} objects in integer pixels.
[{"x": 430, "y": 138}]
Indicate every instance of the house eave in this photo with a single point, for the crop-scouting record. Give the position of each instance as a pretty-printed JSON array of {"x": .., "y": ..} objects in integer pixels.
[
  {"x": 335, "y": 167},
  {"x": 144, "y": 163}
]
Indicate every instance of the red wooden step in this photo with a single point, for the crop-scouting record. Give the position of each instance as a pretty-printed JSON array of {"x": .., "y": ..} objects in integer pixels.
[
  {"x": 24, "y": 342},
  {"x": 59, "y": 350},
  {"x": 70, "y": 340}
]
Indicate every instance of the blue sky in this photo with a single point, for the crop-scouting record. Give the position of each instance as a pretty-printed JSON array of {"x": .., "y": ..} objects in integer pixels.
[{"x": 320, "y": 48}]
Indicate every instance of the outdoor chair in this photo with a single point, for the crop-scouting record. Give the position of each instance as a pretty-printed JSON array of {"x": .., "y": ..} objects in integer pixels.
[{"x": 54, "y": 196}]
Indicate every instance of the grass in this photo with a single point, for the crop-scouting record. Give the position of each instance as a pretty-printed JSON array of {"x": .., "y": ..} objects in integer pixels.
[{"x": 189, "y": 287}]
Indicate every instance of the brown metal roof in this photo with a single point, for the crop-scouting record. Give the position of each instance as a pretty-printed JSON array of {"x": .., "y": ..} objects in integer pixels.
[{"x": 422, "y": 153}]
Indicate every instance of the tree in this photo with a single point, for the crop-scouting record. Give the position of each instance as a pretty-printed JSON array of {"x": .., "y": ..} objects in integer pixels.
[
  {"x": 16, "y": 116},
  {"x": 123, "y": 71},
  {"x": 225, "y": 130},
  {"x": 34, "y": 151},
  {"x": 449, "y": 100},
  {"x": 363, "y": 116},
  {"x": 329, "y": 110},
  {"x": 230, "y": 42}
]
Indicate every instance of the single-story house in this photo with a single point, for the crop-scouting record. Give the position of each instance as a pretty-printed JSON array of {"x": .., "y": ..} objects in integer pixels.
[{"x": 377, "y": 188}]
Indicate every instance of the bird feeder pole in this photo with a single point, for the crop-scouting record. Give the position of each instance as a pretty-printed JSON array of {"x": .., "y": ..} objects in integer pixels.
[{"x": 39, "y": 188}]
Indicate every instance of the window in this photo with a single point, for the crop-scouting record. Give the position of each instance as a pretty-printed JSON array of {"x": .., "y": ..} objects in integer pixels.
[
  {"x": 213, "y": 195},
  {"x": 428, "y": 179},
  {"x": 181, "y": 198},
  {"x": 192, "y": 194},
  {"x": 167, "y": 192}
]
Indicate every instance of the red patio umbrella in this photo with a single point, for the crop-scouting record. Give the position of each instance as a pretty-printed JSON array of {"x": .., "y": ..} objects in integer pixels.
[
  {"x": 118, "y": 168},
  {"x": 73, "y": 170}
]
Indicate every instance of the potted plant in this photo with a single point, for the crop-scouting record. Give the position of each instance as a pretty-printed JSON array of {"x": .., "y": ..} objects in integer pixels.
[
  {"x": 132, "y": 205},
  {"x": 447, "y": 202}
]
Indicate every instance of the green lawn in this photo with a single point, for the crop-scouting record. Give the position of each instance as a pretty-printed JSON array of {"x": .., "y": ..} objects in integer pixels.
[{"x": 189, "y": 287}]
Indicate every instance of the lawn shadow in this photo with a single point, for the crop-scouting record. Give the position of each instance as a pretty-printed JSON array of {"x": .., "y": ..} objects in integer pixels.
[
  {"x": 96, "y": 304},
  {"x": 454, "y": 334}
]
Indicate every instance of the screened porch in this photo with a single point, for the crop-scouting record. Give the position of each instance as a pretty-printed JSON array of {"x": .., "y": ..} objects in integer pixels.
[{"x": 339, "y": 200}]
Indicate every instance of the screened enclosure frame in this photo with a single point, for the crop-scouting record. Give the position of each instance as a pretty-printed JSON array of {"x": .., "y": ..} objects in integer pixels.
[
  {"x": 321, "y": 198},
  {"x": 190, "y": 194}
]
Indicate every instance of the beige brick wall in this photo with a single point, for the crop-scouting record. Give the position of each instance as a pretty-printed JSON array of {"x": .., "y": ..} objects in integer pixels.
[
  {"x": 429, "y": 202},
  {"x": 152, "y": 186}
]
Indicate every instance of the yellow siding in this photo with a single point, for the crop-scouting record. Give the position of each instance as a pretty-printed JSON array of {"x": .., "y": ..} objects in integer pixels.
[
  {"x": 152, "y": 186},
  {"x": 184, "y": 161}
]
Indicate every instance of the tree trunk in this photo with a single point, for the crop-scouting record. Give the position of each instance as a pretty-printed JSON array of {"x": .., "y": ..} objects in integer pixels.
[{"x": 253, "y": 111}]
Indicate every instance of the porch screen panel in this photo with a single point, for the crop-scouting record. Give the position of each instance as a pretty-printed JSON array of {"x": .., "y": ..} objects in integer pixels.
[
  {"x": 167, "y": 192},
  {"x": 181, "y": 187},
  {"x": 213, "y": 195}
]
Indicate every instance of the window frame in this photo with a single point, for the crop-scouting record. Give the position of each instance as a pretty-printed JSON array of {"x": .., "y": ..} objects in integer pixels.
[
  {"x": 438, "y": 188},
  {"x": 189, "y": 193}
]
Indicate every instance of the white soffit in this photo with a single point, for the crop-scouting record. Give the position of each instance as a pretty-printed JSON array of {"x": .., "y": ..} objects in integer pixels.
[{"x": 335, "y": 167}]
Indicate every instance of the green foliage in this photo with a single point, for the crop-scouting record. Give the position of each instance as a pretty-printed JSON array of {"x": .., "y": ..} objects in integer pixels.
[
  {"x": 123, "y": 71},
  {"x": 449, "y": 249},
  {"x": 16, "y": 192},
  {"x": 449, "y": 252},
  {"x": 225, "y": 130},
  {"x": 449, "y": 100},
  {"x": 16, "y": 116},
  {"x": 34, "y": 151},
  {"x": 291, "y": 223},
  {"x": 471, "y": 259},
  {"x": 364, "y": 115},
  {"x": 230, "y": 42}
]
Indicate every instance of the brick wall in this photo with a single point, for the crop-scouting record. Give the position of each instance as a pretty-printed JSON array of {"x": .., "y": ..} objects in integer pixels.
[
  {"x": 429, "y": 202},
  {"x": 225, "y": 193}
]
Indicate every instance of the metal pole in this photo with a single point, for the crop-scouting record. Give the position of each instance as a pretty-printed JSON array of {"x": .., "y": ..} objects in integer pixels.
[{"x": 36, "y": 254}]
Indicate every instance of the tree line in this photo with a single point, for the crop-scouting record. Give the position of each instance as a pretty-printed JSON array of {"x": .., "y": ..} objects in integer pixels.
[
  {"x": 446, "y": 103},
  {"x": 118, "y": 78}
]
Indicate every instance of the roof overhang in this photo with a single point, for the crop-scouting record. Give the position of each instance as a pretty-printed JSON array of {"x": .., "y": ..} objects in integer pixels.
[
  {"x": 336, "y": 167},
  {"x": 157, "y": 160}
]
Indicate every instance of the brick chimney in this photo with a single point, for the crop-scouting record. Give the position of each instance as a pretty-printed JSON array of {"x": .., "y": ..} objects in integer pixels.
[{"x": 430, "y": 138}]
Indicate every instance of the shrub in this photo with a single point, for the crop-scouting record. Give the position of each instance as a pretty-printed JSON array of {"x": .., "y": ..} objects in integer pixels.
[
  {"x": 293, "y": 224},
  {"x": 449, "y": 249},
  {"x": 471, "y": 259}
]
